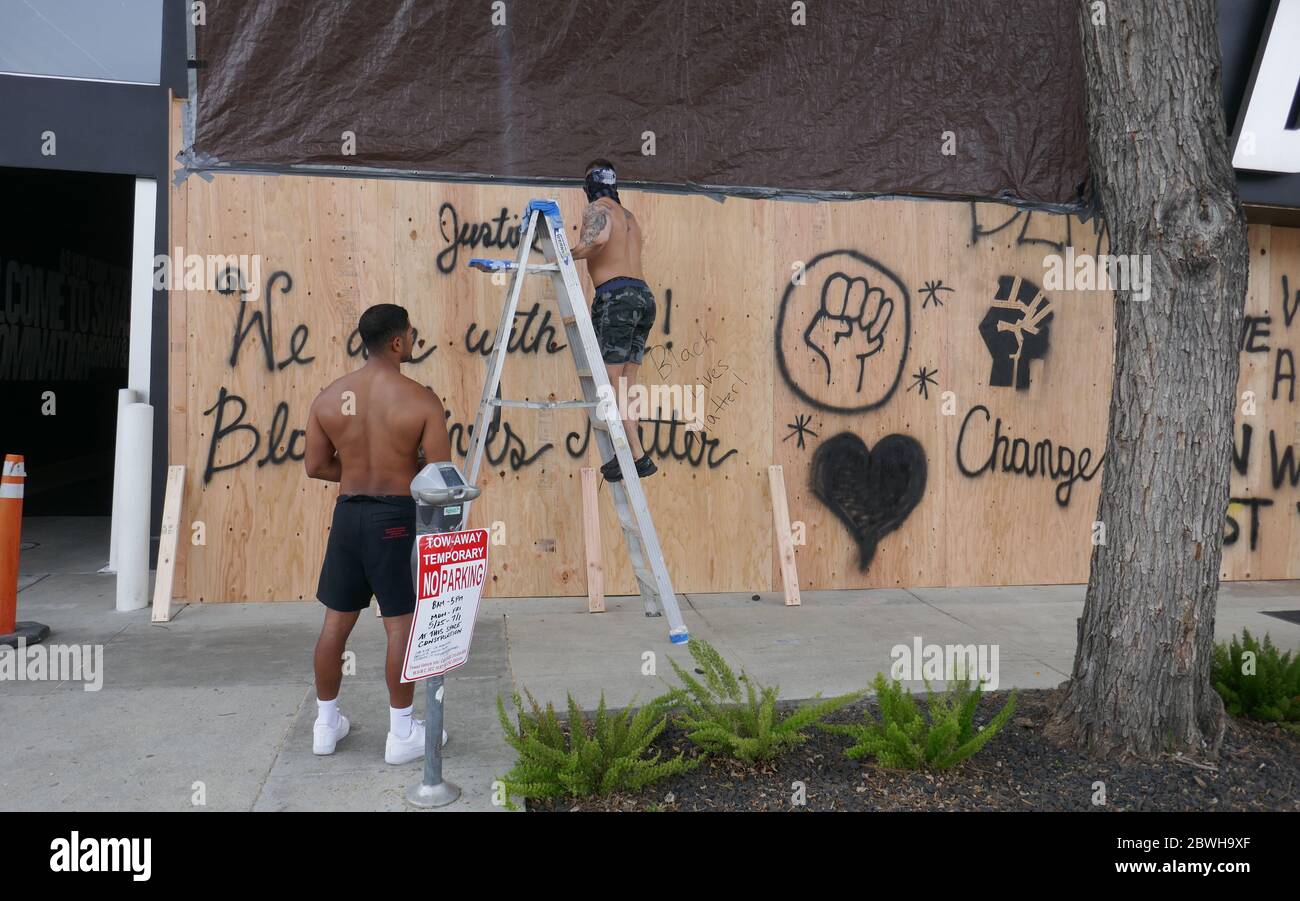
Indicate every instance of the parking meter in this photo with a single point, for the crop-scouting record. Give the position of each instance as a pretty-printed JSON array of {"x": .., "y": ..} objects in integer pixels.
[{"x": 441, "y": 497}]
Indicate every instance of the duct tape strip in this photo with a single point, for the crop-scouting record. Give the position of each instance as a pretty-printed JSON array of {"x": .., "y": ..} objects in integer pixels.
[
  {"x": 200, "y": 164},
  {"x": 186, "y": 156},
  {"x": 205, "y": 165}
]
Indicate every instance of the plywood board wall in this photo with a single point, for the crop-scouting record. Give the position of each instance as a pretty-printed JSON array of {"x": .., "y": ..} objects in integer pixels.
[
  {"x": 1262, "y": 537},
  {"x": 818, "y": 330}
]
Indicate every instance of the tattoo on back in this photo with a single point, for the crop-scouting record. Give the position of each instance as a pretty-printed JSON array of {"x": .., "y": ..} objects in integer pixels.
[{"x": 593, "y": 223}]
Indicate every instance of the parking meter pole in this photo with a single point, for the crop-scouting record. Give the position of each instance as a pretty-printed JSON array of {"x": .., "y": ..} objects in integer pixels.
[
  {"x": 433, "y": 730},
  {"x": 433, "y": 790},
  {"x": 440, "y": 496}
]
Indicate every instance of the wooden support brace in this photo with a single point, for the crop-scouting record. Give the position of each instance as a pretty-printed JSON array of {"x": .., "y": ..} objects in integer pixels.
[
  {"x": 591, "y": 536},
  {"x": 173, "y": 502},
  {"x": 784, "y": 540}
]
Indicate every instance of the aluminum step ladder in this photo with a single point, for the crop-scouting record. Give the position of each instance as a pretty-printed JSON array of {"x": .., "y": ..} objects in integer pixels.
[{"x": 542, "y": 217}]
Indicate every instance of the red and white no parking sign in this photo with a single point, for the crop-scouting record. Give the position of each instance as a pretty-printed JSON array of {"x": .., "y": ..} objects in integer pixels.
[{"x": 450, "y": 571}]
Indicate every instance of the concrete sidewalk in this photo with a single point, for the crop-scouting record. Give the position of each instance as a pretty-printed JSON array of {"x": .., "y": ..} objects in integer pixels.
[
  {"x": 835, "y": 642},
  {"x": 219, "y": 702}
]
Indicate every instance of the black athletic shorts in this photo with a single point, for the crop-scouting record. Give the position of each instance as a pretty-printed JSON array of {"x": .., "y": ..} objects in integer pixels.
[
  {"x": 622, "y": 313},
  {"x": 369, "y": 553}
]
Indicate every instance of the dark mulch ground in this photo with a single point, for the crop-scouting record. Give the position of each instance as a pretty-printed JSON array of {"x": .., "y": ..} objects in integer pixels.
[{"x": 1257, "y": 769}]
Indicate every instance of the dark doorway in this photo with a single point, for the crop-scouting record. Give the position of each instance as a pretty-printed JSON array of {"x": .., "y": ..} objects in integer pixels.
[{"x": 65, "y": 304}]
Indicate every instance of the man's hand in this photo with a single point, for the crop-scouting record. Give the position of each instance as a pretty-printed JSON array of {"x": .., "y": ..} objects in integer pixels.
[{"x": 853, "y": 316}]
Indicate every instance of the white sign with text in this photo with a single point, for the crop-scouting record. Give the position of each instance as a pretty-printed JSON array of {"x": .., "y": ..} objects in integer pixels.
[{"x": 451, "y": 568}]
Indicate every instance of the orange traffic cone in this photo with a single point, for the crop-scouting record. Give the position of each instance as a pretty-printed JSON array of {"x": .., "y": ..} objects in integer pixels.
[{"x": 11, "y": 529}]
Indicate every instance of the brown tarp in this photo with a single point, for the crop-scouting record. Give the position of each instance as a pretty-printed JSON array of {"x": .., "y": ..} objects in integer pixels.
[{"x": 857, "y": 100}]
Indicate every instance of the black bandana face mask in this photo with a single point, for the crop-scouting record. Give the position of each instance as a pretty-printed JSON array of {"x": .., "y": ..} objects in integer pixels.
[{"x": 601, "y": 183}]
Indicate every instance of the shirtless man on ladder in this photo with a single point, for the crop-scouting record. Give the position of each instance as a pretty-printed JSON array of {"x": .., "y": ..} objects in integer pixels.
[{"x": 623, "y": 309}]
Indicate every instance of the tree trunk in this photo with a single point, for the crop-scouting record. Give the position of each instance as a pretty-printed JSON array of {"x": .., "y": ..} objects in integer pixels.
[{"x": 1160, "y": 161}]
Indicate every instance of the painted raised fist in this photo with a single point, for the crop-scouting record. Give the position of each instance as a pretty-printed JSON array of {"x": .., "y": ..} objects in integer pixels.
[
  {"x": 849, "y": 325},
  {"x": 1015, "y": 330}
]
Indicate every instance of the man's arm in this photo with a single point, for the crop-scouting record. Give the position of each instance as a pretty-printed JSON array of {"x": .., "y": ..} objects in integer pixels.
[
  {"x": 321, "y": 459},
  {"x": 596, "y": 229},
  {"x": 434, "y": 441}
]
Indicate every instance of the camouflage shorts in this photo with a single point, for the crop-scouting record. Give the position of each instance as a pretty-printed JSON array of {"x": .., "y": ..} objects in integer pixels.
[{"x": 622, "y": 313}]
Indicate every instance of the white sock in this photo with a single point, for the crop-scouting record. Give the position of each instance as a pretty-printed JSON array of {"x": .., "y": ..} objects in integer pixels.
[
  {"x": 399, "y": 720},
  {"x": 327, "y": 712}
]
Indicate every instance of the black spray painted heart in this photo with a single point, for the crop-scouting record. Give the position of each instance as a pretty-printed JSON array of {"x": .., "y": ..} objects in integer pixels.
[{"x": 871, "y": 490}]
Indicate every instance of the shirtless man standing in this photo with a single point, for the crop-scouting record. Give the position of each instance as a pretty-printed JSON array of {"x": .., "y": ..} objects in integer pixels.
[
  {"x": 364, "y": 431},
  {"x": 623, "y": 309}
]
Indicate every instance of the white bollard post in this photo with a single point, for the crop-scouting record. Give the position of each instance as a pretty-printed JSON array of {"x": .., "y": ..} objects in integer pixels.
[
  {"x": 125, "y": 396},
  {"x": 132, "y": 481}
]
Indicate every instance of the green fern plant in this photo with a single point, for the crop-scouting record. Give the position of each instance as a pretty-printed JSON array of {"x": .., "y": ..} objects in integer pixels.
[
  {"x": 1270, "y": 693},
  {"x": 721, "y": 718},
  {"x": 904, "y": 738},
  {"x": 589, "y": 758}
]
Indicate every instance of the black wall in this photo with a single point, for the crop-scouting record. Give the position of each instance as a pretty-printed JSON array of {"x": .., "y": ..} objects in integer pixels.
[
  {"x": 109, "y": 128},
  {"x": 65, "y": 308}
]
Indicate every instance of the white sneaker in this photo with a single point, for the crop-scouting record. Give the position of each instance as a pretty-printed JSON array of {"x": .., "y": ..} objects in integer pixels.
[
  {"x": 326, "y": 738},
  {"x": 404, "y": 750}
]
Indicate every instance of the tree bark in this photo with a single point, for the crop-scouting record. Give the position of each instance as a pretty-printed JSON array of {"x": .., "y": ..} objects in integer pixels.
[{"x": 1161, "y": 166}]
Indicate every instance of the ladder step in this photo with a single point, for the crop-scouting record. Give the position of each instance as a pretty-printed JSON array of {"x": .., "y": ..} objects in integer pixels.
[
  {"x": 485, "y": 265},
  {"x": 544, "y": 404}
]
